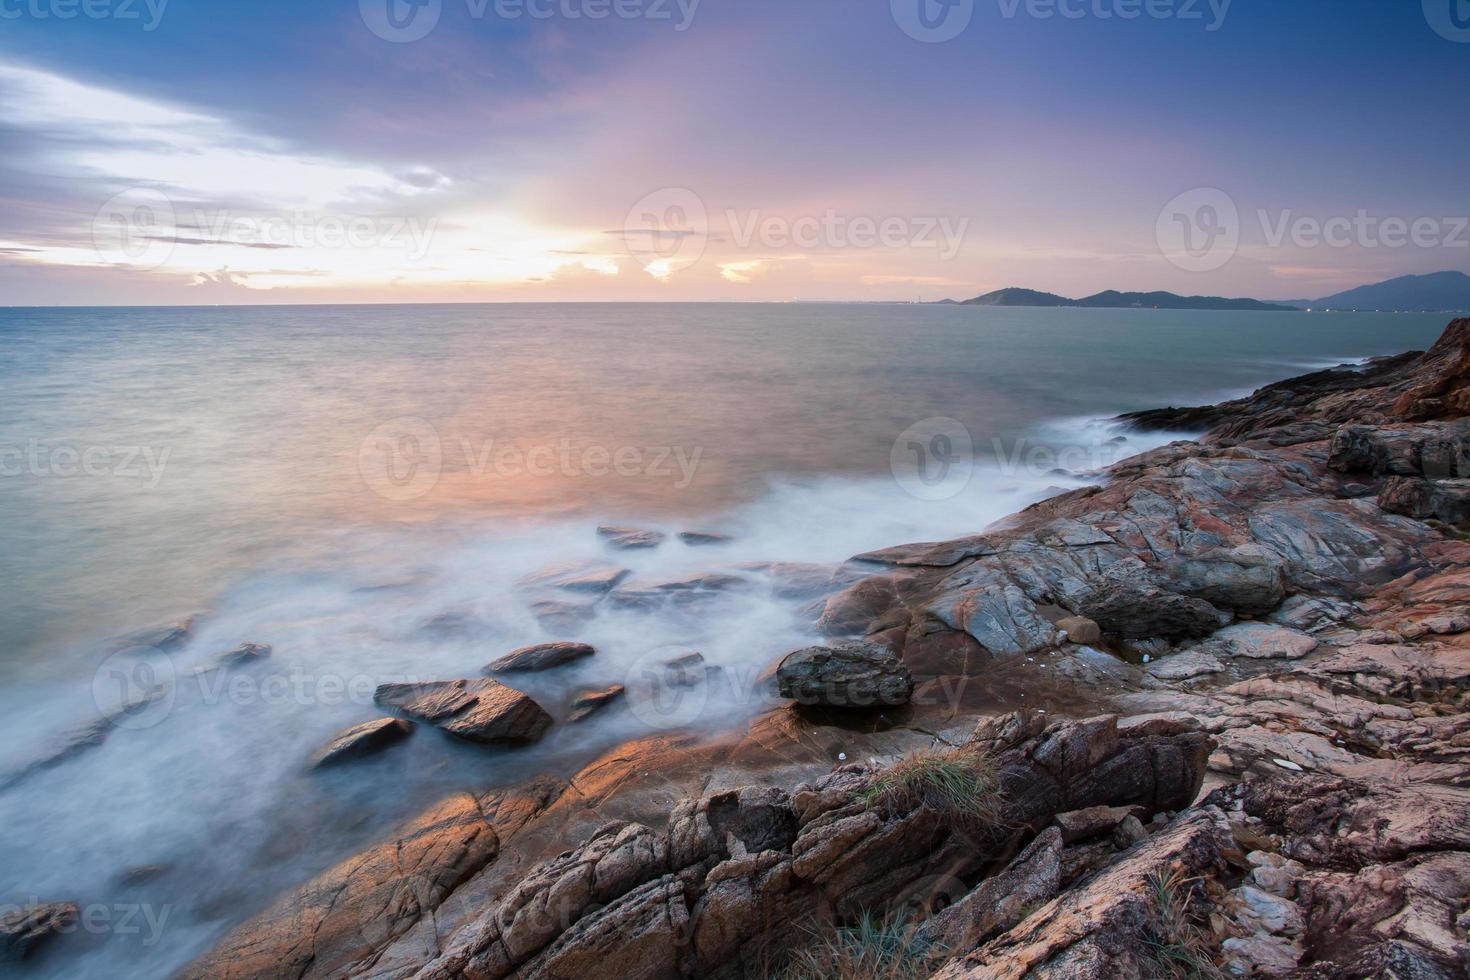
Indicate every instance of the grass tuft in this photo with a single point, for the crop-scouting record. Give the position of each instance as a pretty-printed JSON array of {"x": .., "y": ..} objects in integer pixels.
[
  {"x": 961, "y": 785},
  {"x": 1179, "y": 948},
  {"x": 872, "y": 949}
]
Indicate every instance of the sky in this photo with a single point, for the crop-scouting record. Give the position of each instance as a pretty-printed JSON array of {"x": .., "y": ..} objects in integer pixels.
[{"x": 280, "y": 151}]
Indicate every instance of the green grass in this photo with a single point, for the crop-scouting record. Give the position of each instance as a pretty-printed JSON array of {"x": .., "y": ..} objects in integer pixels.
[
  {"x": 1180, "y": 949},
  {"x": 960, "y": 785},
  {"x": 872, "y": 949}
]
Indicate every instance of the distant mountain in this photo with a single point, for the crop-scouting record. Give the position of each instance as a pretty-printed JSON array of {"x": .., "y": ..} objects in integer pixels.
[
  {"x": 1438, "y": 292},
  {"x": 1112, "y": 299},
  {"x": 1019, "y": 297}
]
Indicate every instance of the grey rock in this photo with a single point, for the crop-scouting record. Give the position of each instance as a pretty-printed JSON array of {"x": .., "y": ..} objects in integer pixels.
[
  {"x": 1135, "y": 612},
  {"x": 22, "y": 930},
  {"x": 625, "y": 538},
  {"x": 855, "y": 674}
]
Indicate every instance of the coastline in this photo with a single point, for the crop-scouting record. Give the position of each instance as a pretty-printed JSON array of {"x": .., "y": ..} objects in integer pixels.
[{"x": 1255, "y": 629}]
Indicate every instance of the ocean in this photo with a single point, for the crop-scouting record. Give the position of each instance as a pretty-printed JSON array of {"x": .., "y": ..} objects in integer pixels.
[{"x": 383, "y": 493}]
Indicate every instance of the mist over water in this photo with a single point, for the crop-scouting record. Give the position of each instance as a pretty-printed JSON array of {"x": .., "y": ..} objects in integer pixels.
[{"x": 382, "y": 494}]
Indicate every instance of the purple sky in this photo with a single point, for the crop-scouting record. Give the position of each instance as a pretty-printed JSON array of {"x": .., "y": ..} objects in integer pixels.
[{"x": 203, "y": 151}]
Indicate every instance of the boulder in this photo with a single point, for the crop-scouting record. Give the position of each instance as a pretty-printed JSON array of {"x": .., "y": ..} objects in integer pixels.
[
  {"x": 625, "y": 538},
  {"x": 477, "y": 710},
  {"x": 1244, "y": 582},
  {"x": 22, "y": 930},
  {"x": 360, "y": 740},
  {"x": 1139, "y": 612},
  {"x": 1090, "y": 822},
  {"x": 1080, "y": 629},
  {"x": 541, "y": 656},
  {"x": 855, "y": 674}
]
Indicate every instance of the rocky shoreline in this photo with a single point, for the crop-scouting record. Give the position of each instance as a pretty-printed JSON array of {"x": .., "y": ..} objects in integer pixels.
[{"x": 1218, "y": 702}]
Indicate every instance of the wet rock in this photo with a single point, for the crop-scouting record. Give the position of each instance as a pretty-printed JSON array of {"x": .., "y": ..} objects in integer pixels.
[
  {"x": 697, "y": 539},
  {"x": 624, "y": 538},
  {"x": 591, "y": 579},
  {"x": 167, "y": 638},
  {"x": 540, "y": 656},
  {"x": 590, "y": 702},
  {"x": 855, "y": 674},
  {"x": 242, "y": 656},
  {"x": 477, "y": 710},
  {"x": 560, "y": 616},
  {"x": 362, "y": 740},
  {"x": 22, "y": 930},
  {"x": 1136, "y": 612},
  {"x": 1080, "y": 629}
]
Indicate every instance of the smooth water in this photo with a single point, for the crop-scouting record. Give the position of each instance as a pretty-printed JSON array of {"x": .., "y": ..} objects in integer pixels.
[{"x": 368, "y": 488}]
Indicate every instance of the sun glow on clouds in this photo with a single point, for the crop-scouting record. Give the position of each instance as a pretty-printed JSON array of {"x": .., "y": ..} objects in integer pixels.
[{"x": 193, "y": 196}]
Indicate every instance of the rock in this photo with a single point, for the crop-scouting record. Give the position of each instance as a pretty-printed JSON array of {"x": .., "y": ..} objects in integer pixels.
[
  {"x": 477, "y": 710},
  {"x": 242, "y": 656},
  {"x": 1080, "y": 629},
  {"x": 1243, "y": 581},
  {"x": 999, "y": 903},
  {"x": 360, "y": 740},
  {"x": 1094, "y": 821},
  {"x": 590, "y": 702},
  {"x": 854, "y": 674},
  {"x": 348, "y": 913},
  {"x": 1186, "y": 666},
  {"x": 1261, "y": 955},
  {"x": 1259, "y": 641},
  {"x": 1129, "y": 832},
  {"x": 1263, "y": 912},
  {"x": 1408, "y": 496},
  {"x": 1136, "y": 612},
  {"x": 541, "y": 656},
  {"x": 629, "y": 538},
  {"x": 592, "y": 579},
  {"x": 1105, "y": 928},
  {"x": 687, "y": 670},
  {"x": 22, "y": 930},
  {"x": 696, "y": 539},
  {"x": 560, "y": 616},
  {"x": 167, "y": 638}
]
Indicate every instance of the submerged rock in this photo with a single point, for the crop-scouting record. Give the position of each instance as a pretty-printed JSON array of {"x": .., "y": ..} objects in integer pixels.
[
  {"x": 540, "y": 656},
  {"x": 625, "y": 538},
  {"x": 477, "y": 710},
  {"x": 855, "y": 674},
  {"x": 22, "y": 930},
  {"x": 242, "y": 656},
  {"x": 697, "y": 539},
  {"x": 360, "y": 740},
  {"x": 590, "y": 702}
]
